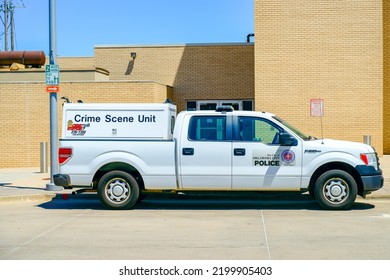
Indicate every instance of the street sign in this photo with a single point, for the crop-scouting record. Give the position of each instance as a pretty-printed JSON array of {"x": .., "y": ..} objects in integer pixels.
[
  {"x": 52, "y": 74},
  {"x": 52, "y": 88},
  {"x": 317, "y": 107}
]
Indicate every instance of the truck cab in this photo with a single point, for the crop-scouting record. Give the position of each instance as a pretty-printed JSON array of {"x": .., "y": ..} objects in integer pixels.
[{"x": 260, "y": 152}]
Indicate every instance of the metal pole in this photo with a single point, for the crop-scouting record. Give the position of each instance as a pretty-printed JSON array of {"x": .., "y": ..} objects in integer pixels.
[
  {"x": 367, "y": 139},
  {"x": 6, "y": 25},
  {"x": 43, "y": 157},
  {"x": 53, "y": 100},
  {"x": 12, "y": 22}
]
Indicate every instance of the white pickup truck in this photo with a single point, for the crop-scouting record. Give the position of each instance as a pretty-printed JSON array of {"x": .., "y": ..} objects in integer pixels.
[{"x": 125, "y": 150}]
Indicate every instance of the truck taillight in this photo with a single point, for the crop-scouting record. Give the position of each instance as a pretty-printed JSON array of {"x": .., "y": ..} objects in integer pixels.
[{"x": 64, "y": 154}]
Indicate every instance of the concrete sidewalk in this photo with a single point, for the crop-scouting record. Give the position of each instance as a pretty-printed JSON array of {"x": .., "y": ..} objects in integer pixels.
[
  {"x": 24, "y": 184},
  {"x": 28, "y": 184}
]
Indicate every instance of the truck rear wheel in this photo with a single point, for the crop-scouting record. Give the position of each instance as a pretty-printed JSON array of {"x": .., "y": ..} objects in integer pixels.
[
  {"x": 118, "y": 190},
  {"x": 335, "y": 190}
]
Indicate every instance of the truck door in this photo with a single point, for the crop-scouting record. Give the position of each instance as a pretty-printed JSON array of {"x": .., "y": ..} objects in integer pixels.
[
  {"x": 205, "y": 159},
  {"x": 260, "y": 161}
]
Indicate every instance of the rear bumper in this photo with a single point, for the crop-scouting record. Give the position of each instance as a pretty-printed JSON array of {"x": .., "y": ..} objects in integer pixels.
[{"x": 62, "y": 180}]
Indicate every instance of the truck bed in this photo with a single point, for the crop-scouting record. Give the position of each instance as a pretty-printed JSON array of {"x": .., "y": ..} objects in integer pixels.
[{"x": 154, "y": 160}]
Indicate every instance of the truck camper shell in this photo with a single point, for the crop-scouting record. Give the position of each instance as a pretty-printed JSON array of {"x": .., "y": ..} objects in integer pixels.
[{"x": 131, "y": 121}]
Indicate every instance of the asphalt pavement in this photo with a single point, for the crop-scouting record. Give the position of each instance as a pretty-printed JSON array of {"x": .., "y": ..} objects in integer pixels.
[{"x": 29, "y": 184}]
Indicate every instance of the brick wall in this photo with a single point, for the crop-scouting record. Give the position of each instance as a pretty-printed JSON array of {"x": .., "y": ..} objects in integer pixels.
[
  {"x": 177, "y": 72},
  {"x": 386, "y": 77},
  {"x": 74, "y": 62},
  {"x": 24, "y": 114},
  {"x": 321, "y": 49},
  {"x": 303, "y": 49},
  {"x": 195, "y": 71}
]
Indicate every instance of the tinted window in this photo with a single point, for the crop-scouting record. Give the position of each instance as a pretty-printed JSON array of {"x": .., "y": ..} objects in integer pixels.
[
  {"x": 257, "y": 129},
  {"x": 207, "y": 128}
]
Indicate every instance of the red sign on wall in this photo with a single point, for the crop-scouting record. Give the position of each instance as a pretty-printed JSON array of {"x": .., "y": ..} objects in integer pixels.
[{"x": 317, "y": 107}]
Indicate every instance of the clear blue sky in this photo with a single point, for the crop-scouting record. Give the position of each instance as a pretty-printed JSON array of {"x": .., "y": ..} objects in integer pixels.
[{"x": 82, "y": 24}]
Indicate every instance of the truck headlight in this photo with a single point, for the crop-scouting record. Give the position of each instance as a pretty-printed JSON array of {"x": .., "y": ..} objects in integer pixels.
[{"x": 370, "y": 159}]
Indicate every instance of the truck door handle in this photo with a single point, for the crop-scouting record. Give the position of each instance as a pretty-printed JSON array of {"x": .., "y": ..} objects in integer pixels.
[
  {"x": 239, "y": 152},
  {"x": 188, "y": 151}
]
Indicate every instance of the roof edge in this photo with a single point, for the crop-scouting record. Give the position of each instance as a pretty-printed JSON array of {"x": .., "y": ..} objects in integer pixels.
[{"x": 120, "y": 46}]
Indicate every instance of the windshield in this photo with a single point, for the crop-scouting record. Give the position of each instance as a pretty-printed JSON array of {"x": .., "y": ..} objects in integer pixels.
[{"x": 293, "y": 129}]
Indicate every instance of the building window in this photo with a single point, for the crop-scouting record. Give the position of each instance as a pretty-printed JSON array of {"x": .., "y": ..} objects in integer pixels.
[
  {"x": 191, "y": 105},
  {"x": 244, "y": 105}
]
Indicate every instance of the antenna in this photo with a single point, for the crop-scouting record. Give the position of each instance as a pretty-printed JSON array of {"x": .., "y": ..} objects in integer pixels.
[{"x": 322, "y": 128}]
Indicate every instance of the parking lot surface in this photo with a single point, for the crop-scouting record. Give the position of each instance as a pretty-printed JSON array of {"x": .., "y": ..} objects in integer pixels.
[{"x": 194, "y": 227}]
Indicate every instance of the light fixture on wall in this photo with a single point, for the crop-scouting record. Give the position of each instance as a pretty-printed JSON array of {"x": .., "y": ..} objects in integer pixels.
[{"x": 130, "y": 66}]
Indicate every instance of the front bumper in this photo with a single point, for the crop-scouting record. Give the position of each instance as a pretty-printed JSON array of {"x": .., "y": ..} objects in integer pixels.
[
  {"x": 372, "y": 179},
  {"x": 372, "y": 183}
]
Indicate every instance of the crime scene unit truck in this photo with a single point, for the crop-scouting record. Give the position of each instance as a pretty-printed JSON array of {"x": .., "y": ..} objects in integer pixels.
[{"x": 124, "y": 151}]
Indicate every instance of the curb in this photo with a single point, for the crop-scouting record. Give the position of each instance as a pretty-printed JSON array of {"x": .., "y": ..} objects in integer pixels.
[
  {"x": 27, "y": 198},
  {"x": 49, "y": 197},
  {"x": 378, "y": 196}
]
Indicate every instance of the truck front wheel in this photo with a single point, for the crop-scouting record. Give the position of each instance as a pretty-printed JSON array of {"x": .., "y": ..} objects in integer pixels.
[
  {"x": 118, "y": 190},
  {"x": 335, "y": 190}
]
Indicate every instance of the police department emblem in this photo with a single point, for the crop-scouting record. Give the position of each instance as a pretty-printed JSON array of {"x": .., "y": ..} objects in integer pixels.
[{"x": 288, "y": 157}]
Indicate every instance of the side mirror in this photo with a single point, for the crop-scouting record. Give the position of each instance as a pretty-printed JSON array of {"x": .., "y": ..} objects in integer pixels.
[{"x": 286, "y": 139}]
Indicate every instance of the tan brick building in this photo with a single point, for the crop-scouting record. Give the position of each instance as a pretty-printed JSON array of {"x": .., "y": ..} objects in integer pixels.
[
  {"x": 330, "y": 49},
  {"x": 194, "y": 71},
  {"x": 184, "y": 73},
  {"x": 337, "y": 50},
  {"x": 386, "y": 76}
]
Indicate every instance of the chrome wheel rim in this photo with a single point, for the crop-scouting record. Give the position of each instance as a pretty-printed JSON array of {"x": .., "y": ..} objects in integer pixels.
[
  {"x": 117, "y": 190},
  {"x": 336, "y": 190}
]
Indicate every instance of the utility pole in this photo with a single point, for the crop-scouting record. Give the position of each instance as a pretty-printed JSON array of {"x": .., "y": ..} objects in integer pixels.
[
  {"x": 8, "y": 8},
  {"x": 6, "y": 25},
  {"x": 11, "y": 13},
  {"x": 53, "y": 100}
]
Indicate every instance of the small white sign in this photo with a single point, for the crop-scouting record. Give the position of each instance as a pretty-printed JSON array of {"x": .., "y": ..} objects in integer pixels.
[
  {"x": 52, "y": 74},
  {"x": 316, "y": 107}
]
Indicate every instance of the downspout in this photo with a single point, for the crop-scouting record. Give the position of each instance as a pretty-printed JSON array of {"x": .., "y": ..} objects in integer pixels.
[{"x": 248, "y": 40}]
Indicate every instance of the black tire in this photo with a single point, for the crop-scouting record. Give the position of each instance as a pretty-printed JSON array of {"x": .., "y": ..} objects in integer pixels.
[
  {"x": 118, "y": 190},
  {"x": 335, "y": 190},
  {"x": 312, "y": 194}
]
